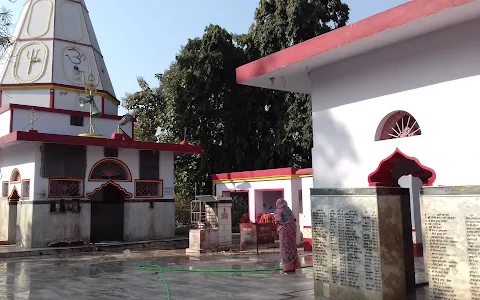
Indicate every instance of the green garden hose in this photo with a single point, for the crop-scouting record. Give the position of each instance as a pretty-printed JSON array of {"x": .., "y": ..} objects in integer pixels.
[{"x": 167, "y": 289}]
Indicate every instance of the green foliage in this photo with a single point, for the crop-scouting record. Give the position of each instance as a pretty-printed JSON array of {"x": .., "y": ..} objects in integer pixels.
[
  {"x": 240, "y": 128},
  {"x": 145, "y": 105},
  {"x": 5, "y": 27}
]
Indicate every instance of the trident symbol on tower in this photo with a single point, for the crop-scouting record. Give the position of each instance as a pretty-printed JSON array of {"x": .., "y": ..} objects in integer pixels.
[
  {"x": 32, "y": 58},
  {"x": 90, "y": 82}
]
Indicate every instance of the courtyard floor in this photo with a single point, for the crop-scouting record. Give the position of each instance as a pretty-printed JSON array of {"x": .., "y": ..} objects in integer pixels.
[{"x": 117, "y": 276}]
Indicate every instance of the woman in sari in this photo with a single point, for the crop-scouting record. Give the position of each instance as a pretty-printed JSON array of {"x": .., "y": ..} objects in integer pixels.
[{"x": 287, "y": 233}]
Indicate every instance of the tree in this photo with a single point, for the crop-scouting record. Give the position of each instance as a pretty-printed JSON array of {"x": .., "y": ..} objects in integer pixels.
[
  {"x": 146, "y": 105},
  {"x": 279, "y": 24},
  {"x": 201, "y": 95},
  {"x": 5, "y": 26},
  {"x": 240, "y": 128}
]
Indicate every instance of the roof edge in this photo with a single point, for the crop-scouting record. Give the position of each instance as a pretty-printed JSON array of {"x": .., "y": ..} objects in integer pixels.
[
  {"x": 281, "y": 173},
  {"x": 394, "y": 17},
  {"x": 34, "y": 136}
]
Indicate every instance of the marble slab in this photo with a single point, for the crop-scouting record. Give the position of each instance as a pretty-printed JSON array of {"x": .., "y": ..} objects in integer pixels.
[
  {"x": 451, "y": 225},
  {"x": 358, "y": 244}
]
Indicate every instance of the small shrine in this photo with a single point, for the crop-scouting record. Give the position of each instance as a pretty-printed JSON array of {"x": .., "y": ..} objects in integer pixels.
[
  {"x": 71, "y": 170},
  {"x": 212, "y": 217}
]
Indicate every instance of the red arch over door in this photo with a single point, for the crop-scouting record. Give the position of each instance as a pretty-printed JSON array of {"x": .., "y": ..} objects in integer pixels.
[{"x": 397, "y": 165}]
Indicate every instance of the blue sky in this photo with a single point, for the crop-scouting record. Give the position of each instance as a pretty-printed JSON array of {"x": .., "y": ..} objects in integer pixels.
[{"x": 141, "y": 38}]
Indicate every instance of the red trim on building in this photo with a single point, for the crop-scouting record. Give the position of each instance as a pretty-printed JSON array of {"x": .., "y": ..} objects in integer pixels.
[
  {"x": 307, "y": 171},
  {"x": 115, "y": 160},
  {"x": 11, "y": 121},
  {"x": 307, "y": 242},
  {"x": 94, "y": 141},
  {"x": 14, "y": 195},
  {"x": 119, "y": 187},
  {"x": 133, "y": 129},
  {"x": 81, "y": 182},
  {"x": 307, "y": 245},
  {"x": 1, "y": 95},
  {"x": 24, "y": 197},
  {"x": 343, "y": 36},
  {"x": 382, "y": 176},
  {"x": 52, "y": 98},
  {"x": 418, "y": 250},
  {"x": 262, "y": 173},
  {"x": 13, "y": 106},
  {"x": 148, "y": 180}
]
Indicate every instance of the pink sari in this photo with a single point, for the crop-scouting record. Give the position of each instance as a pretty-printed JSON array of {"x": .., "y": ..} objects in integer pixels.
[{"x": 287, "y": 232}]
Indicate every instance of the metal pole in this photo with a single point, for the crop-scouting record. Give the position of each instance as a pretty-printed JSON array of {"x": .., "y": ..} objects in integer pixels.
[{"x": 90, "y": 126}]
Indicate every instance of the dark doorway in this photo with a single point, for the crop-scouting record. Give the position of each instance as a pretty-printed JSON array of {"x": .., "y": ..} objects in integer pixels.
[
  {"x": 239, "y": 207},
  {"x": 107, "y": 213}
]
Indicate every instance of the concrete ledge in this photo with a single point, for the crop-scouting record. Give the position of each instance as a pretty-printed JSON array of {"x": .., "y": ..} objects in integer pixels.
[
  {"x": 47, "y": 201},
  {"x": 451, "y": 190},
  {"x": 169, "y": 244},
  {"x": 381, "y": 191}
]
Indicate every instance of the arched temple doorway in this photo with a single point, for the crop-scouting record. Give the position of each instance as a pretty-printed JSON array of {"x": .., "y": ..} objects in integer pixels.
[
  {"x": 392, "y": 168},
  {"x": 107, "y": 212},
  {"x": 400, "y": 170}
]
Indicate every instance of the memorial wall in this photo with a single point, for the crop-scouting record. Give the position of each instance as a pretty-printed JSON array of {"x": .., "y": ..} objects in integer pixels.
[
  {"x": 358, "y": 248},
  {"x": 451, "y": 224}
]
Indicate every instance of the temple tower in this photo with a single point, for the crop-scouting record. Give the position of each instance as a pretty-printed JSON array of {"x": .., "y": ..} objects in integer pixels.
[{"x": 55, "y": 50}]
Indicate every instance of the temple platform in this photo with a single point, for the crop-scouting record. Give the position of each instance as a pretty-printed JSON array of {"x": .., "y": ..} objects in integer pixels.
[
  {"x": 117, "y": 276},
  {"x": 12, "y": 251}
]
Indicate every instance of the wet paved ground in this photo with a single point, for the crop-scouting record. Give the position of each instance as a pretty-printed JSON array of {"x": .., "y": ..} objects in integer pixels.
[{"x": 116, "y": 276}]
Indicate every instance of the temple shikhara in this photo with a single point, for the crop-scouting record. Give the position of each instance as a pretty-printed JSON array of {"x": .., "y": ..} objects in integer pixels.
[{"x": 70, "y": 167}]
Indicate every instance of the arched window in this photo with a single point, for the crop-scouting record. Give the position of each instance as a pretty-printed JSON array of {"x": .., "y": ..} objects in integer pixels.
[
  {"x": 396, "y": 125},
  {"x": 15, "y": 176},
  {"x": 110, "y": 169}
]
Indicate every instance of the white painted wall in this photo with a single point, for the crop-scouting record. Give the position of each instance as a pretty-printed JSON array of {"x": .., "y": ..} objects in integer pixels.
[
  {"x": 435, "y": 78},
  {"x": 21, "y": 157},
  {"x": 307, "y": 184},
  {"x": 64, "y": 99},
  {"x": 40, "y": 97},
  {"x": 5, "y": 123},
  {"x": 414, "y": 185},
  {"x": 69, "y": 100},
  {"x": 129, "y": 156},
  {"x": 257, "y": 185},
  {"x": 291, "y": 189},
  {"x": 94, "y": 154},
  {"x": 50, "y": 122},
  {"x": 166, "y": 173},
  {"x": 110, "y": 108}
]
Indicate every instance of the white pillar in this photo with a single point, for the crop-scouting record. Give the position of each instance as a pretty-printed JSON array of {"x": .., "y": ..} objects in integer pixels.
[
  {"x": 414, "y": 184},
  {"x": 225, "y": 223}
]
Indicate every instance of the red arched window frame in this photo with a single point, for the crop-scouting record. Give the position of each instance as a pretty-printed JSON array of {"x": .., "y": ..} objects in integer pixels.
[{"x": 398, "y": 124}]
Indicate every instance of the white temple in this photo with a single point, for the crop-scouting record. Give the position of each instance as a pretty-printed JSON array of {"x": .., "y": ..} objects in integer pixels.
[{"x": 62, "y": 179}]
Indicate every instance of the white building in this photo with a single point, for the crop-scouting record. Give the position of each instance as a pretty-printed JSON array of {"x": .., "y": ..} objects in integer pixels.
[
  {"x": 264, "y": 187},
  {"x": 382, "y": 90},
  {"x": 58, "y": 186}
]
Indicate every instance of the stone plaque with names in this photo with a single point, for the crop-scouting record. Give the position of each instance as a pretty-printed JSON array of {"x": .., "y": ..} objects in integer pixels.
[
  {"x": 451, "y": 224},
  {"x": 358, "y": 244}
]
